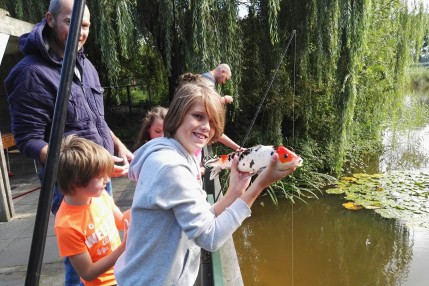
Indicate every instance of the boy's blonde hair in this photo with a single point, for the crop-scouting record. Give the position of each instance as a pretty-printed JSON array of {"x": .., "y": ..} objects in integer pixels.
[
  {"x": 80, "y": 161},
  {"x": 191, "y": 90}
]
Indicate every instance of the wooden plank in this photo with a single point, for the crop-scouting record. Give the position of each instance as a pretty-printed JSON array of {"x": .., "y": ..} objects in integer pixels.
[
  {"x": 4, "y": 38},
  {"x": 12, "y": 26},
  {"x": 8, "y": 140},
  {"x": 7, "y": 210}
]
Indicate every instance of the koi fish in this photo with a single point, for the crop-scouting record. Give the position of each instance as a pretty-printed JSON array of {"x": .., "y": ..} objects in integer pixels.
[{"x": 253, "y": 160}]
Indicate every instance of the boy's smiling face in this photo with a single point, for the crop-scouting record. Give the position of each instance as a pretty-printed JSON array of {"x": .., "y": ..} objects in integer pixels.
[{"x": 195, "y": 131}]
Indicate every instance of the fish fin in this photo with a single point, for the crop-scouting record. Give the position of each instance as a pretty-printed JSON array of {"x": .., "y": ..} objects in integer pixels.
[
  {"x": 260, "y": 170},
  {"x": 215, "y": 172},
  {"x": 210, "y": 162}
]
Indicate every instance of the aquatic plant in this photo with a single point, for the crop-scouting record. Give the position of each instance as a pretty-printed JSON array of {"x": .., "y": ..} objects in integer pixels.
[{"x": 402, "y": 195}]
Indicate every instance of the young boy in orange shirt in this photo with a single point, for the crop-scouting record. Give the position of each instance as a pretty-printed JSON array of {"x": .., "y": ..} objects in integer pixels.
[{"x": 88, "y": 220}]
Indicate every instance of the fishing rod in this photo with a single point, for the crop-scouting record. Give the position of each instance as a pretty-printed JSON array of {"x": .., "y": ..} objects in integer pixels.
[
  {"x": 38, "y": 242},
  {"x": 292, "y": 36},
  {"x": 268, "y": 88}
]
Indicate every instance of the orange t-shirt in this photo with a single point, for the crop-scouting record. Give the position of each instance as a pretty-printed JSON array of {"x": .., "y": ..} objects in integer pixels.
[{"x": 90, "y": 228}]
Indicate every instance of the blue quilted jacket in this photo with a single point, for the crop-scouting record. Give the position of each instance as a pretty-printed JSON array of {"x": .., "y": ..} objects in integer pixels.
[{"x": 32, "y": 86}]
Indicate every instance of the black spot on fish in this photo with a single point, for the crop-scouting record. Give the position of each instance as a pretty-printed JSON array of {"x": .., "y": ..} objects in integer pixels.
[
  {"x": 252, "y": 163},
  {"x": 275, "y": 147},
  {"x": 241, "y": 157},
  {"x": 246, "y": 152},
  {"x": 257, "y": 149}
]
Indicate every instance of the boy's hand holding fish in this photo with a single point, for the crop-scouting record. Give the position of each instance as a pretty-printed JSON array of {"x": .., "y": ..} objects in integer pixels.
[
  {"x": 268, "y": 176},
  {"x": 239, "y": 182}
]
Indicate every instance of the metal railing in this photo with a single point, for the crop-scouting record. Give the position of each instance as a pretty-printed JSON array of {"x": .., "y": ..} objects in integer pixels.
[{"x": 221, "y": 267}]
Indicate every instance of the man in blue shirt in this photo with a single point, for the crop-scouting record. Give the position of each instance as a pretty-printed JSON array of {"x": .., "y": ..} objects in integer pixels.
[{"x": 220, "y": 75}]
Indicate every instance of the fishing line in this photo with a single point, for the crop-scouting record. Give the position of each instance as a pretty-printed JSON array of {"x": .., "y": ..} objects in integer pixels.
[
  {"x": 292, "y": 36},
  {"x": 269, "y": 87},
  {"x": 293, "y": 139}
]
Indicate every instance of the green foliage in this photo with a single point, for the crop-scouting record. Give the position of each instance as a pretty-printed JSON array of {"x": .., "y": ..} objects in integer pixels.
[
  {"x": 151, "y": 77},
  {"x": 352, "y": 57},
  {"x": 192, "y": 36},
  {"x": 341, "y": 80},
  {"x": 29, "y": 10},
  {"x": 114, "y": 33}
]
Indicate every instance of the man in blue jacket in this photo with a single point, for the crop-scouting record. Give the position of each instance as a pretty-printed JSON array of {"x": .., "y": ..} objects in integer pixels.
[
  {"x": 220, "y": 75},
  {"x": 32, "y": 86}
]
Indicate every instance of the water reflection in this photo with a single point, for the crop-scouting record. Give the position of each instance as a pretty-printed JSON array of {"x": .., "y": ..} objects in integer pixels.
[
  {"x": 320, "y": 243},
  {"x": 405, "y": 150}
]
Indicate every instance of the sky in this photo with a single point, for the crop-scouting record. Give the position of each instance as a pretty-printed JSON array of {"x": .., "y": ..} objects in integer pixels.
[
  {"x": 243, "y": 9},
  {"x": 425, "y": 2}
]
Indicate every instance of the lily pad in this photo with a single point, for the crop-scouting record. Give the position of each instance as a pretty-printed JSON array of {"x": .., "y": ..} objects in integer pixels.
[
  {"x": 335, "y": 191},
  {"x": 348, "y": 179},
  {"x": 402, "y": 195},
  {"x": 352, "y": 206}
]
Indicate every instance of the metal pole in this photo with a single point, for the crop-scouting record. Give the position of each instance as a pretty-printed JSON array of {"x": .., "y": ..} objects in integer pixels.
[{"x": 57, "y": 131}]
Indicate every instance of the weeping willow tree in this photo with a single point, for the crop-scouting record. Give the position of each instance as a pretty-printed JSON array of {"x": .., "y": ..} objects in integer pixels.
[
  {"x": 372, "y": 55},
  {"x": 351, "y": 62},
  {"x": 335, "y": 86},
  {"x": 114, "y": 35},
  {"x": 193, "y": 36},
  {"x": 29, "y": 10},
  {"x": 364, "y": 50},
  {"x": 352, "y": 30}
]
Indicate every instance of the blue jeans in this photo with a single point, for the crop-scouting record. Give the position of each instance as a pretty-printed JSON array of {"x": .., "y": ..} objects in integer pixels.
[{"x": 71, "y": 277}]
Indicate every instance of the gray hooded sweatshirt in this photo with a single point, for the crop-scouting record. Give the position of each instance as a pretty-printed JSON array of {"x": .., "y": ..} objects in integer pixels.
[{"x": 170, "y": 218}]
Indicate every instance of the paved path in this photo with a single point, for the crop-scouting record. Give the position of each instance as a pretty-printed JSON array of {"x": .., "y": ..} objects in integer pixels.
[{"x": 16, "y": 235}]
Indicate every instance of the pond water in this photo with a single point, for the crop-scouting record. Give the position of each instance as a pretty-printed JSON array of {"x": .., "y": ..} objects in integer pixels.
[{"x": 321, "y": 243}]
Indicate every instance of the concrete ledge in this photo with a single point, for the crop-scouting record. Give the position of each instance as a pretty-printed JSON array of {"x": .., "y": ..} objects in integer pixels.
[{"x": 230, "y": 266}]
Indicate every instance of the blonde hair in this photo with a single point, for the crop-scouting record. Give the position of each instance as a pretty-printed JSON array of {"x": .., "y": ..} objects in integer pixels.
[
  {"x": 192, "y": 89},
  {"x": 80, "y": 161},
  {"x": 151, "y": 115}
]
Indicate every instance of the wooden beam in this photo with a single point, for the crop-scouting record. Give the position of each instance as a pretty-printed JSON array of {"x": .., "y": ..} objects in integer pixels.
[
  {"x": 7, "y": 210},
  {"x": 4, "y": 38},
  {"x": 12, "y": 26}
]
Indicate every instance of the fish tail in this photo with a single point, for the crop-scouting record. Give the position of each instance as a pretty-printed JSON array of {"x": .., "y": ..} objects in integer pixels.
[
  {"x": 210, "y": 162},
  {"x": 215, "y": 172}
]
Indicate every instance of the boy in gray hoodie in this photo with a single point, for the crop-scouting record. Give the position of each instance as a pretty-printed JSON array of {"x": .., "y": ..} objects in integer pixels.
[{"x": 170, "y": 218}]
